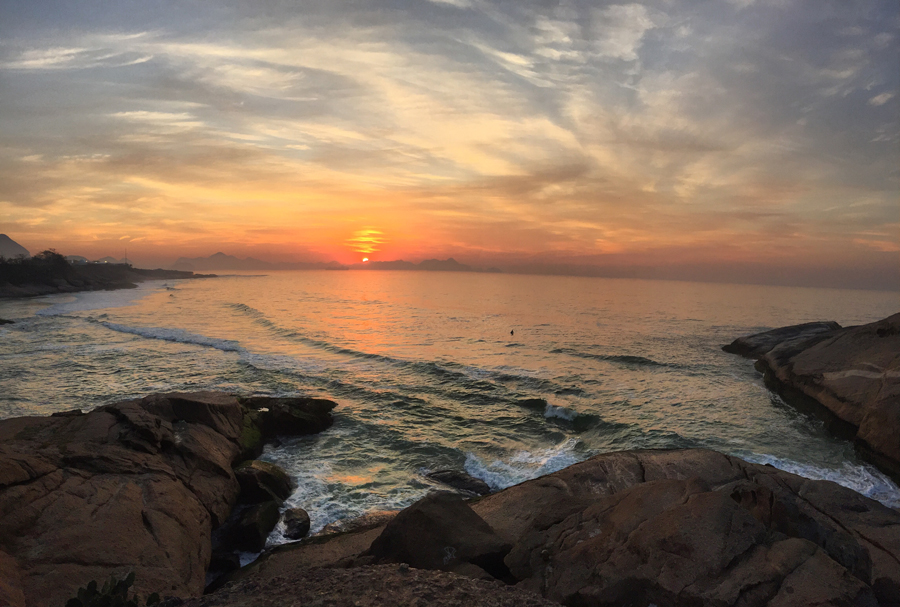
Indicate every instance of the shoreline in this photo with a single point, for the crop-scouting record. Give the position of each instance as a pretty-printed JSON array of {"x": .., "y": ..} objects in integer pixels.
[
  {"x": 166, "y": 487},
  {"x": 94, "y": 277}
]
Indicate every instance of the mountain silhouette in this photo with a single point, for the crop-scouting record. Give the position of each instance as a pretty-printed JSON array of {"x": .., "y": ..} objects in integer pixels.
[{"x": 10, "y": 249}]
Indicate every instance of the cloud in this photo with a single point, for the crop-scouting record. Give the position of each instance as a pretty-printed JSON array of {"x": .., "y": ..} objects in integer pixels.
[{"x": 881, "y": 99}]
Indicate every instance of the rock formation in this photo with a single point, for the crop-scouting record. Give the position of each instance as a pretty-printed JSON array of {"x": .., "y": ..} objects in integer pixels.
[
  {"x": 667, "y": 527},
  {"x": 850, "y": 376},
  {"x": 133, "y": 486}
]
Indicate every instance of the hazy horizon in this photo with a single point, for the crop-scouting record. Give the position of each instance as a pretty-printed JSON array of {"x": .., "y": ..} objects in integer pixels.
[{"x": 743, "y": 141}]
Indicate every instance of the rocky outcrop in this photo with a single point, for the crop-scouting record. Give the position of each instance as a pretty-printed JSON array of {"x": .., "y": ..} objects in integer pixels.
[
  {"x": 133, "y": 486},
  {"x": 849, "y": 376},
  {"x": 668, "y": 527},
  {"x": 379, "y": 586},
  {"x": 754, "y": 346},
  {"x": 463, "y": 482}
]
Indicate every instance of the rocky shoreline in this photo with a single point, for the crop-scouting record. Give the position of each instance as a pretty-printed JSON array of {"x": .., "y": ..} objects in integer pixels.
[
  {"x": 167, "y": 487},
  {"x": 850, "y": 377},
  {"x": 94, "y": 277}
]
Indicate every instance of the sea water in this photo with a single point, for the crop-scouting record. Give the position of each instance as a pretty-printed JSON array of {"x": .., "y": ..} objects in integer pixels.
[{"x": 507, "y": 377}]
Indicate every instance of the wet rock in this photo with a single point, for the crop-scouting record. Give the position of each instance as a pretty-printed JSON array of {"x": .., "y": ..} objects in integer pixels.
[
  {"x": 296, "y": 523},
  {"x": 440, "y": 531},
  {"x": 262, "y": 481},
  {"x": 376, "y": 518},
  {"x": 253, "y": 526},
  {"x": 291, "y": 416},
  {"x": 754, "y": 346},
  {"x": 670, "y": 527},
  {"x": 851, "y": 378},
  {"x": 460, "y": 480}
]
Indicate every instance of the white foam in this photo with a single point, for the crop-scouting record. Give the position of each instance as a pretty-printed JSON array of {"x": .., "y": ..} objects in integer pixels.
[
  {"x": 176, "y": 335},
  {"x": 861, "y": 478},
  {"x": 522, "y": 465},
  {"x": 98, "y": 300},
  {"x": 560, "y": 412}
]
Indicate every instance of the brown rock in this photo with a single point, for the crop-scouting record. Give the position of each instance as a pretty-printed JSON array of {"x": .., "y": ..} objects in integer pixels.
[
  {"x": 262, "y": 481},
  {"x": 466, "y": 483},
  {"x": 373, "y": 586},
  {"x": 291, "y": 416},
  {"x": 296, "y": 523},
  {"x": 440, "y": 531},
  {"x": 680, "y": 526},
  {"x": 754, "y": 346},
  {"x": 850, "y": 377},
  {"x": 134, "y": 486},
  {"x": 671, "y": 527}
]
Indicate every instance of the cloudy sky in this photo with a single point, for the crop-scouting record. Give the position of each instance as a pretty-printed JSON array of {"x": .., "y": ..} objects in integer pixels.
[{"x": 726, "y": 137}]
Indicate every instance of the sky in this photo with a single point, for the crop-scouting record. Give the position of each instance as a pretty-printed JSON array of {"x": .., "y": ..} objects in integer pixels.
[{"x": 735, "y": 140}]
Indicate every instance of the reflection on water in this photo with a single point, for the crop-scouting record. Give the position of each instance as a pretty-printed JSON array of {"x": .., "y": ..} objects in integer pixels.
[{"x": 428, "y": 375}]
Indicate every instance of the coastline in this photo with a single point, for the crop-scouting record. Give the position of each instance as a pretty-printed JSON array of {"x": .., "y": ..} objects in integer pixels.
[
  {"x": 150, "y": 487},
  {"x": 94, "y": 277}
]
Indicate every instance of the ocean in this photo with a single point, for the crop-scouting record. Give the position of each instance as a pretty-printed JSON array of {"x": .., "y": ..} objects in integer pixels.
[{"x": 507, "y": 377}]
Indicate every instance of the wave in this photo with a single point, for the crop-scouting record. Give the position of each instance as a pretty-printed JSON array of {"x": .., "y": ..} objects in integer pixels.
[
  {"x": 625, "y": 359},
  {"x": 468, "y": 377},
  {"x": 523, "y": 465},
  {"x": 176, "y": 335},
  {"x": 863, "y": 479}
]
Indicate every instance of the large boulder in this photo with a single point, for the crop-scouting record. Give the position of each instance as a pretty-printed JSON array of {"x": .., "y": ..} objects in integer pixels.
[
  {"x": 290, "y": 416},
  {"x": 262, "y": 481},
  {"x": 296, "y": 523},
  {"x": 440, "y": 531},
  {"x": 695, "y": 527},
  {"x": 849, "y": 376},
  {"x": 133, "y": 486}
]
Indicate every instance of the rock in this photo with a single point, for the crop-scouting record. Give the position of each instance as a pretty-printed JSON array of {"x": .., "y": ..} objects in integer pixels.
[
  {"x": 460, "y": 480},
  {"x": 291, "y": 416},
  {"x": 695, "y": 527},
  {"x": 440, "y": 531},
  {"x": 670, "y": 527},
  {"x": 381, "y": 585},
  {"x": 133, "y": 486},
  {"x": 376, "y": 518},
  {"x": 851, "y": 378},
  {"x": 261, "y": 482},
  {"x": 253, "y": 527},
  {"x": 754, "y": 346},
  {"x": 3, "y": 321},
  {"x": 296, "y": 523}
]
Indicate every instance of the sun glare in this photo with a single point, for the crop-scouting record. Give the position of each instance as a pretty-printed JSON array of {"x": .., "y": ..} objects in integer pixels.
[
  {"x": 365, "y": 259},
  {"x": 366, "y": 241}
]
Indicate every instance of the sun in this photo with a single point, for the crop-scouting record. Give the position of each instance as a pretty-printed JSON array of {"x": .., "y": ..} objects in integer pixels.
[{"x": 365, "y": 259}]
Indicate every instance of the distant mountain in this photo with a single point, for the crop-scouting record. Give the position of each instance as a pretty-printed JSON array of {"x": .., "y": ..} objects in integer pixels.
[
  {"x": 221, "y": 261},
  {"x": 444, "y": 265},
  {"x": 428, "y": 265},
  {"x": 10, "y": 249}
]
